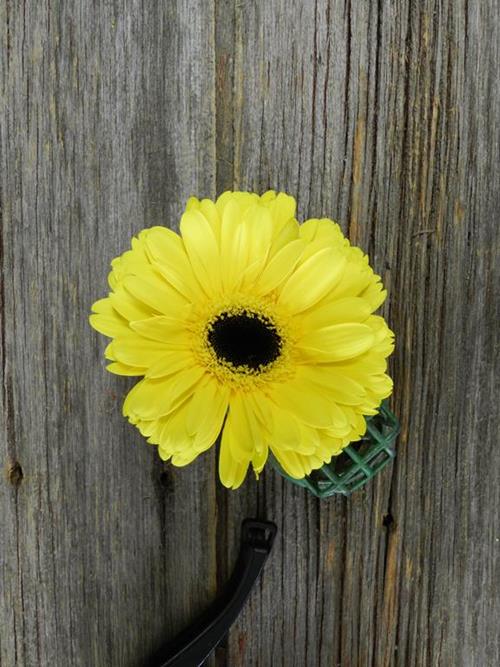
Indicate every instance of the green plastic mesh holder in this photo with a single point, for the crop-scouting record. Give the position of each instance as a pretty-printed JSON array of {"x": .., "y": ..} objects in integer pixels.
[{"x": 358, "y": 463}]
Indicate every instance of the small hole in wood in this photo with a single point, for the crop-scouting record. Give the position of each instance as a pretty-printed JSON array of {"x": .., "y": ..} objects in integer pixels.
[
  {"x": 388, "y": 520},
  {"x": 15, "y": 474},
  {"x": 166, "y": 481}
]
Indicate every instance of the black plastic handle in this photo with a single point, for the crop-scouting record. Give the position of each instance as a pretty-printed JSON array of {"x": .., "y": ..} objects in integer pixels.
[{"x": 193, "y": 645}]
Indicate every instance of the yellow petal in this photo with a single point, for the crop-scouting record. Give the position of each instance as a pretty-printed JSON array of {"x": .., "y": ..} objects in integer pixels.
[
  {"x": 200, "y": 405},
  {"x": 375, "y": 294},
  {"x": 103, "y": 307},
  {"x": 312, "y": 280},
  {"x": 193, "y": 203},
  {"x": 211, "y": 426},
  {"x": 231, "y": 470},
  {"x": 353, "y": 282},
  {"x": 148, "y": 399},
  {"x": 340, "y": 422},
  {"x": 128, "y": 307},
  {"x": 288, "y": 433},
  {"x": 170, "y": 258},
  {"x": 282, "y": 207},
  {"x": 338, "y": 342},
  {"x": 151, "y": 399},
  {"x": 365, "y": 365},
  {"x": 159, "y": 328},
  {"x": 280, "y": 267},
  {"x": 304, "y": 400},
  {"x": 285, "y": 429},
  {"x": 148, "y": 428},
  {"x": 257, "y": 434},
  {"x": 290, "y": 461},
  {"x": 330, "y": 446},
  {"x": 242, "y": 200},
  {"x": 234, "y": 246},
  {"x": 209, "y": 210},
  {"x": 268, "y": 196},
  {"x": 185, "y": 457},
  {"x": 328, "y": 312},
  {"x": 108, "y": 352},
  {"x": 183, "y": 384},
  {"x": 164, "y": 454},
  {"x": 174, "y": 438},
  {"x": 122, "y": 369},
  {"x": 152, "y": 290},
  {"x": 261, "y": 408},
  {"x": 249, "y": 432},
  {"x": 137, "y": 351},
  {"x": 282, "y": 236},
  {"x": 340, "y": 387},
  {"x": 242, "y": 445},
  {"x": 109, "y": 325},
  {"x": 259, "y": 226},
  {"x": 259, "y": 459},
  {"x": 171, "y": 362},
  {"x": 132, "y": 262},
  {"x": 324, "y": 230},
  {"x": 202, "y": 248}
]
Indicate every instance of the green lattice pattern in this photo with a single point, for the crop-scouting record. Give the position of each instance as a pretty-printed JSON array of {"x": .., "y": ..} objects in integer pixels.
[{"x": 358, "y": 462}]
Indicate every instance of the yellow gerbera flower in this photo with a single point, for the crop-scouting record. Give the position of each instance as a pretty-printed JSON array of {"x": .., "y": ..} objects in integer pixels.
[{"x": 252, "y": 325}]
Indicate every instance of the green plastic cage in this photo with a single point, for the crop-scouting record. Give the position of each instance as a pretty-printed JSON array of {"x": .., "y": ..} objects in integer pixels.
[{"x": 358, "y": 463}]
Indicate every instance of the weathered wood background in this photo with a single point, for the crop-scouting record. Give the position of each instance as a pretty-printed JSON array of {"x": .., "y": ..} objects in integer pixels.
[{"x": 383, "y": 115}]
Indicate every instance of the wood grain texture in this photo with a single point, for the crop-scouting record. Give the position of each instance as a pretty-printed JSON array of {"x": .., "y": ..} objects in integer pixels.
[
  {"x": 383, "y": 115},
  {"x": 108, "y": 126}
]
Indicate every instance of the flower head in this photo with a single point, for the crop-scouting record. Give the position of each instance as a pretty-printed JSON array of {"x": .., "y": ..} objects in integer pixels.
[{"x": 250, "y": 325}]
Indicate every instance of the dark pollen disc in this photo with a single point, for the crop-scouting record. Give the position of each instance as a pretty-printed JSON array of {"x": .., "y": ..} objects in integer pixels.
[{"x": 245, "y": 339}]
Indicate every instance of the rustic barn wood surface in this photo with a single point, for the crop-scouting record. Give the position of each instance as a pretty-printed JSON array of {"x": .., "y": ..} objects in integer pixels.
[{"x": 383, "y": 115}]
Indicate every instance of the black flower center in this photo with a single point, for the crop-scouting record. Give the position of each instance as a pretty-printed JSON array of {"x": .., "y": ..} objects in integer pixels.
[{"x": 245, "y": 339}]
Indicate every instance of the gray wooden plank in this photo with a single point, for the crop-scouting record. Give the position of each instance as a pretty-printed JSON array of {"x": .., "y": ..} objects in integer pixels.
[
  {"x": 107, "y": 127},
  {"x": 385, "y": 117}
]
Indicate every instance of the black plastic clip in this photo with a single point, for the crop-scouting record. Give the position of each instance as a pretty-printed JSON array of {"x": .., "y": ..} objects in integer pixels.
[{"x": 194, "y": 644}]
